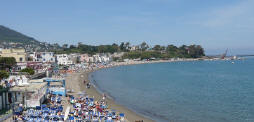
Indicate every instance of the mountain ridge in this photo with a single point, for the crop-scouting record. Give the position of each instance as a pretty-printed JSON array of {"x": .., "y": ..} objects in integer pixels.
[
  {"x": 10, "y": 38},
  {"x": 10, "y": 35}
]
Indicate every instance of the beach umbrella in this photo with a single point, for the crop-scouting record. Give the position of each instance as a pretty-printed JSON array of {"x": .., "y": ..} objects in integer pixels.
[
  {"x": 121, "y": 114},
  {"x": 91, "y": 99},
  {"x": 71, "y": 118},
  {"x": 43, "y": 105},
  {"x": 38, "y": 107}
]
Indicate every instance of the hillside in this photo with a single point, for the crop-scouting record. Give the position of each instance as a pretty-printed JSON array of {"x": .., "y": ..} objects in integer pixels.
[
  {"x": 12, "y": 39},
  {"x": 9, "y": 35}
]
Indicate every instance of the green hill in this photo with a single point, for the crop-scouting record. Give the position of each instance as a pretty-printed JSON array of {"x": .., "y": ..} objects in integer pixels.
[
  {"x": 9, "y": 35},
  {"x": 12, "y": 39}
]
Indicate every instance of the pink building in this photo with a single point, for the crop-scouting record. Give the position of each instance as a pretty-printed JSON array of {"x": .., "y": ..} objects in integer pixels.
[{"x": 84, "y": 58}]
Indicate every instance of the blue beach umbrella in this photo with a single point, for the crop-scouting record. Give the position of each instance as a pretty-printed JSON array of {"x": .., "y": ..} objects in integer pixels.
[
  {"x": 71, "y": 118},
  {"x": 121, "y": 114},
  {"x": 91, "y": 99}
]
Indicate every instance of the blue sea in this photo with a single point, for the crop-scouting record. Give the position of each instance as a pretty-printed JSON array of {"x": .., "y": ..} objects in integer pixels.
[{"x": 197, "y": 91}]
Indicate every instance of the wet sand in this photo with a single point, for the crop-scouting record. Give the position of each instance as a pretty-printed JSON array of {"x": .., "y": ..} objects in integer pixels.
[{"x": 75, "y": 81}]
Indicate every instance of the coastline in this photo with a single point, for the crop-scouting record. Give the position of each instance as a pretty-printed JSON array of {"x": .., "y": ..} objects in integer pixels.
[
  {"x": 130, "y": 115},
  {"x": 75, "y": 81}
]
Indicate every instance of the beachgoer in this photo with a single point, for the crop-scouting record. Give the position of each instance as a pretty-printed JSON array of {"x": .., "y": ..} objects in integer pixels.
[
  {"x": 104, "y": 97},
  {"x": 88, "y": 85}
]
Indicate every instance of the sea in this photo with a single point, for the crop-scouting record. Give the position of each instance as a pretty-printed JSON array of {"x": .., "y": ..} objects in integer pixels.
[{"x": 191, "y": 91}]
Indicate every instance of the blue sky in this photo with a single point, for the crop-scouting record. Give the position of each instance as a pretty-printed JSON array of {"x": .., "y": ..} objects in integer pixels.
[{"x": 214, "y": 24}]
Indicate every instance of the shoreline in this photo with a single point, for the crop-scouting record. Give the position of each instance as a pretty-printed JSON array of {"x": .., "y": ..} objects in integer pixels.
[
  {"x": 93, "y": 91},
  {"x": 130, "y": 115}
]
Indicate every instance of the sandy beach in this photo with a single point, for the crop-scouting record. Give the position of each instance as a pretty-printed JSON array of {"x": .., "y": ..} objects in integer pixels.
[{"x": 75, "y": 81}]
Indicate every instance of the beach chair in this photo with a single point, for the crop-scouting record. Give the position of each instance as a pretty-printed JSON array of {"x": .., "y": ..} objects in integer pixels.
[
  {"x": 46, "y": 119},
  {"x": 101, "y": 117},
  {"x": 113, "y": 115},
  {"x": 71, "y": 118},
  {"x": 121, "y": 117},
  {"x": 38, "y": 107},
  {"x": 56, "y": 118},
  {"x": 46, "y": 109},
  {"x": 62, "y": 117},
  {"x": 59, "y": 99},
  {"x": 43, "y": 106},
  {"x": 60, "y": 108}
]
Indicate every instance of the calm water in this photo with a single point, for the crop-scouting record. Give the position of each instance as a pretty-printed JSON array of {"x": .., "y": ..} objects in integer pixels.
[{"x": 202, "y": 91}]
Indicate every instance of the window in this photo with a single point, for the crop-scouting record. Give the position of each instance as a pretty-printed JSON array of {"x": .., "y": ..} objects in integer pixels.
[{"x": 20, "y": 59}]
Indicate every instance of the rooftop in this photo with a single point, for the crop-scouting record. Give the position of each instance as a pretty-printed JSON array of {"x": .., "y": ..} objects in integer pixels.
[{"x": 28, "y": 88}]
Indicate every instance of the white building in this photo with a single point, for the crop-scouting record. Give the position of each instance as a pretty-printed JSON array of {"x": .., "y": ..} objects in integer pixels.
[
  {"x": 134, "y": 48},
  {"x": 63, "y": 59},
  {"x": 96, "y": 58},
  {"x": 20, "y": 66},
  {"x": 31, "y": 95},
  {"x": 43, "y": 57},
  {"x": 106, "y": 58}
]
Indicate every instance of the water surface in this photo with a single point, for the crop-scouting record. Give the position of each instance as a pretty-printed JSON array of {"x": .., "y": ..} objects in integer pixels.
[{"x": 200, "y": 91}]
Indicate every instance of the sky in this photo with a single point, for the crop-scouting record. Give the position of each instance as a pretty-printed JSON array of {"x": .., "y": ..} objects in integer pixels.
[{"x": 214, "y": 24}]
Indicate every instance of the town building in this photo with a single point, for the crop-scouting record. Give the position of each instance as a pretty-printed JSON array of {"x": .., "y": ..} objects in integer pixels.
[
  {"x": 63, "y": 59},
  {"x": 118, "y": 54},
  {"x": 42, "y": 57},
  {"x": 31, "y": 95},
  {"x": 105, "y": 58},
  {"x": 75, "y": 58},
  {"x": 96, "y": 59},
  {"x": 20, "y": 65},
  {"x": 84, "y": 58},
  {"x": 134, "y": 48},
  {"x": 18, "y": 54}
]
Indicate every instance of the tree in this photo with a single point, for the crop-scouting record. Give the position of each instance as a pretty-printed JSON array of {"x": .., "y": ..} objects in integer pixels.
[
  {"x": 30, "y": 71},
  {"x": 172, "y": 50},
  {"x": 7, "y": 62},
  {"x": 183, "y": 51},
  {"x": 200, "y": 51},
  {"x": 102, "y": 49},
  {"x": 65, "y": 46},
  {"x": 196, "y": 51},
  {"x": 144, "y": 46},
  {"x": 3, "y": 74},
  {"x": 80, "y": 44},
  {"x": 122, "y": 46},
  {"x": 72, "y": 46},
  {"x": 115, "y": 47},
  {"x": 158, "y": 48},
  {"x": 127, "y": 46},
  {"x": 56, "y": 45}
]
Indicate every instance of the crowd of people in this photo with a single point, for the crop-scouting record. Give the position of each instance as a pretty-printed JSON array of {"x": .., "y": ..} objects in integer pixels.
[
  {"x": 50, "y": 112},
  {"x": 86, "y": 109},
  {"x": 82, "y": 109}
]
